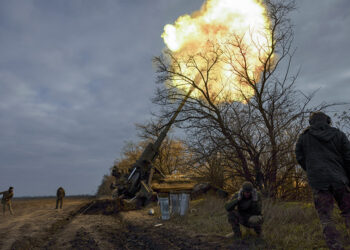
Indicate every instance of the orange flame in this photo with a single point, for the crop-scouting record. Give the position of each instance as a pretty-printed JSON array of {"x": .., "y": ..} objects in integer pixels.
[{"x": 220, "y": 21}]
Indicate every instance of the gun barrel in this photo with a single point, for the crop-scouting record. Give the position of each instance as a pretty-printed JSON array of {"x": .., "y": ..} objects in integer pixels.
[
  {"x": 164, "y": 132},
  {"x": 142, "y": 169},
  {"x": 151, "y": 151}
]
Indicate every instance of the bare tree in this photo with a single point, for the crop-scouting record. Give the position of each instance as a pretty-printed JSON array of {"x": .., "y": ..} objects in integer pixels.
[
  {"x": 257, "y": 134},
  {"x": 104, "y": 188},
  {"x": 342, "y": 121},
  {"x": 172, "y": 155}
]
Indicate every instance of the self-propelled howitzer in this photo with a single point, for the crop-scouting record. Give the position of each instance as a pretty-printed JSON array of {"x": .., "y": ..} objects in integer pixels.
[{"x": 138, "y": 184}]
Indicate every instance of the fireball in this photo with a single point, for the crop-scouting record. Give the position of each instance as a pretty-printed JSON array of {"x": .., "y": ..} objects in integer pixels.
[{"x": 232, "y": 36}]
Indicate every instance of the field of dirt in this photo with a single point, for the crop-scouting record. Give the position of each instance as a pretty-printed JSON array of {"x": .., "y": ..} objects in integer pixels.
[{"x": 86, "y": 224}]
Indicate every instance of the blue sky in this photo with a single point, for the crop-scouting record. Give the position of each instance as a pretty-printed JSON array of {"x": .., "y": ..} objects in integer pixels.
[{"x": 75, "y": 76}]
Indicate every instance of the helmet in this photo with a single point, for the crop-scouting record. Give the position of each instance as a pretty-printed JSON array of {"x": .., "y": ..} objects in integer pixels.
[{"x": 247, "y": 186}]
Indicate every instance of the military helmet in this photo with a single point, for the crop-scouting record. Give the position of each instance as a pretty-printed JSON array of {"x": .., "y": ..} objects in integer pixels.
[{"x": 247, "y": 186}]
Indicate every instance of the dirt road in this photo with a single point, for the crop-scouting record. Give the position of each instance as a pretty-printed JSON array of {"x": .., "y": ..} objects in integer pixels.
[
  {"x": 33, "y": 217},
  {"x": 39, "y": 226}
]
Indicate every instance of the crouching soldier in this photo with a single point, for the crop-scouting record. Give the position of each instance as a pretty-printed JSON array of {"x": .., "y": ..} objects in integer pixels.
[
  {"x": 248, "y": 212},
  {"x": 7, "y": 200},
  {"x": 59, "y": 197}
]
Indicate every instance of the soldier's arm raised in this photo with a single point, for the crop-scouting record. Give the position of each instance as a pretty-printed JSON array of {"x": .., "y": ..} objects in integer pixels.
[{"x": 230, "y": 205}]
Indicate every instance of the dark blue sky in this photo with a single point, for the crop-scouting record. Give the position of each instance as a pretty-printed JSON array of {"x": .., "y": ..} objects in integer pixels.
[{"x": 75, "y": 76}]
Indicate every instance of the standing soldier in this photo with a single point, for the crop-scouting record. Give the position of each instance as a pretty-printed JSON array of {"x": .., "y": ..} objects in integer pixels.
[
  {"x": 60, "y": 196},
  {"x": 120, "y": 185},
  {"x": 248, "y": 212},
  {"x": 324, "y": 153},
  {"x": 7, "y": 200}
]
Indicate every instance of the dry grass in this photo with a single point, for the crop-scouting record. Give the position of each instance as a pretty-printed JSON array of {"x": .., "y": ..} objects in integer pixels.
[
  {"x": 292, "y": 226},
  {"x": 22, "y": 205},
  {"x": 206, "y": 216},
  {"x": 287, "y": 225}
]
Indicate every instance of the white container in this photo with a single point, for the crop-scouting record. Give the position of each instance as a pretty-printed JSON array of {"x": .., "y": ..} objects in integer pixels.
[
  {"x": 175, "y": 203},
  {"x": 164, "y": 207},
  {"x": 151, "y": 211},
  {"x": 184, "y": 203}
]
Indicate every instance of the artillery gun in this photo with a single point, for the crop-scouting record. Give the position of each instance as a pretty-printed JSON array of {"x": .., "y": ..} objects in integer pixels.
[{"x": 136, "y": 188}]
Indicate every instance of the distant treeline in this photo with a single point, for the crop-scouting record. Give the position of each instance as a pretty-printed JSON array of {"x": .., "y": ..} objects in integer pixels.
[{"x": 83, "y": 196}]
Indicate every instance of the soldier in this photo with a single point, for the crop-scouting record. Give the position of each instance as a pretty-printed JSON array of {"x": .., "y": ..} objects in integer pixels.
[
  {"x": 60, "y": 195},
  {"x": 324, "y": 153},
  {"x": 248, "y": 212},
  {"x": 7, "y": 200},
  {"x": 120, "y": 185}
]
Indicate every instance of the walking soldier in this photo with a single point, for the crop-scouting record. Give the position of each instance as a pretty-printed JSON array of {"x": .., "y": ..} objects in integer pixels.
[
  {"x": 324, "y": 153},
  {"x": 7, "y": 200},
  {"x": 60, "y": 195}
]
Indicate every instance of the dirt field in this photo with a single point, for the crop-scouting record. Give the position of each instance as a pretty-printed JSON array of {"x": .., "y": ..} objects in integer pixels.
[
  {"x": 33, "y": 218},
  {"x": 37, "y": 225}
]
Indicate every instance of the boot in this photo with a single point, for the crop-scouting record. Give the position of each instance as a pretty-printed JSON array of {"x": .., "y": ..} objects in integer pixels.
[
  {"x": 236, "y": 232},
  {"x": 258, "y": 231}
]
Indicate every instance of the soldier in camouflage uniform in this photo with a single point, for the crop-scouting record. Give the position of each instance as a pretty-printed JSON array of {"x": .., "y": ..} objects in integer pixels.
[
  {"x": 248, "y": 212},
  {"x": 7, "y": 200},
  {"x": 324, "y": 153},
  {"x": 60, "y": 195},
  {"x": 120, "y": 185}
]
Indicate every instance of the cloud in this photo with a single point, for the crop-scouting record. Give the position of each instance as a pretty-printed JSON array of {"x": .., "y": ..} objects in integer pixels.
[
  {"x": 75, "y": 76},
  {"x": 322, "y": 36}
]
